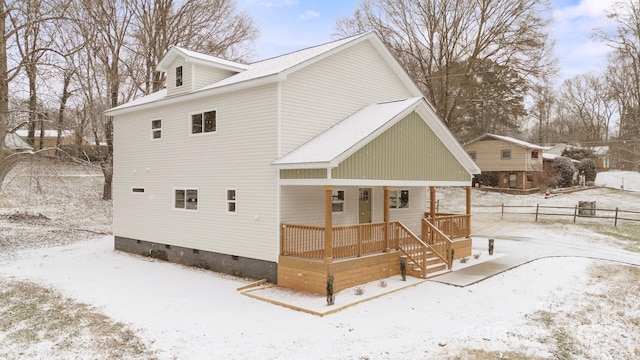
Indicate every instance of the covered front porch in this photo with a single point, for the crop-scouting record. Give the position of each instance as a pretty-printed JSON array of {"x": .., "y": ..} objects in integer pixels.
[
  {"x": 358, "y": 253},
  {"x": 353, "y": 199}
]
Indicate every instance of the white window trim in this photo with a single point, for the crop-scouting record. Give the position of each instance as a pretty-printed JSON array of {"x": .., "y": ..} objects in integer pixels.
[
  {"x": 343, "y": 202},
  {"x": 203, "y": 133},
  {"x": 185, "y": 188},
  {"x": 153, "y": 130},
  {"x": 227, "y": 201},
  {"x": 398, "y": 192}
]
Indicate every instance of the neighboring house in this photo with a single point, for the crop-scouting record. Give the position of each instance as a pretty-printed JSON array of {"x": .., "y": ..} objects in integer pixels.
[
  {"x": 516, "y": 164},
  {"x": 289, "y": 169},
  {"x": 49, "y": 139},
  {"x": 15, "y": 143},
  {"x": 602, "y": 157}
]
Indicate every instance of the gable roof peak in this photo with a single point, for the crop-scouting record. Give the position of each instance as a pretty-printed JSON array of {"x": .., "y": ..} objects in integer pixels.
[{"x": 191, "y": 56}]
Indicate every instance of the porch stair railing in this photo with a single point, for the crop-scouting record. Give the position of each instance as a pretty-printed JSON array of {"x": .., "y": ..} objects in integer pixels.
[
  {"x": 438, "y": 241},
  {"x": 422, "y": 259}
]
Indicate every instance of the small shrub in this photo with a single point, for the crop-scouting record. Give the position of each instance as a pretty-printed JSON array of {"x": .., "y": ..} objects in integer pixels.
[
  {"x": 403, "y": 268},
  {"x": 464, "y": 259},
  {"x": 383, "y": 283},
  {"x": 330, "y": 295},
  {"x": 476, "y": 256},
  {"x": 358, "y": 291}
]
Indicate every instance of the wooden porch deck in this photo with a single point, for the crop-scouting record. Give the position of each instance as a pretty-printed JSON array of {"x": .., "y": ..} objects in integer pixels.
[{"x": 367, "y": 252}]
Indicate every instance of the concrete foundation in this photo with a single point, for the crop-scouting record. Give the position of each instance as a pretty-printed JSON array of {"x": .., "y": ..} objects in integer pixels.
[{"x": 222, "y": 263}]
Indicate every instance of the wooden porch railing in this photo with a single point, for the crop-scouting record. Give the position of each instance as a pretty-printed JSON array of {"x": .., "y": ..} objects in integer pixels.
[
  {"x": 439, "y": 242},
  {"x": 455, "y": 226},
  {"x": 302, "y": 240},
  {"x": 348, "y": 241},
  {"x": 410, "y": 245}
]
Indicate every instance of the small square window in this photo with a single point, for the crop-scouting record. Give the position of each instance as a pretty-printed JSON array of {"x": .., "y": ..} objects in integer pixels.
[
  {"x": 156, "y": 129},
  {"x": 231, "y": 201},
  {"x": 534, "y": 154},
  {"x": 506, "y": 154},
  {"x": 178, "y": 76},
  {"x": 529, "y": 177},
  {"x": 337, "y": 201},
  {"x": 203, "y": 122},
  {"x": 399, "y": 199},
  {"x": 186, "y": 199}
]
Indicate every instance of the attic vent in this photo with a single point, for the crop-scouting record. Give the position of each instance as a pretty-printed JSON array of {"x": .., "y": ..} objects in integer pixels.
[{"x": 137, "y": 190}]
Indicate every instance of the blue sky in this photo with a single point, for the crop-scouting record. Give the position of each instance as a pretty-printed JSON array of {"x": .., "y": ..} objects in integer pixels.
[{"x": 289, "y": 25}]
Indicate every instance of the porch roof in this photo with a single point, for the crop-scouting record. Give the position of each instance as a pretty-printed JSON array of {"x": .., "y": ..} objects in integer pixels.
[
  {"x": 330, "y": 148},
  {"x": 327, "y": 149}
]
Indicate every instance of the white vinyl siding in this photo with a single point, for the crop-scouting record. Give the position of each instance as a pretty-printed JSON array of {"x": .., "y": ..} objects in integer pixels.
[
  {"x": 205, "y": 76},
  {"x": 349, "y": 83},
  {"x": 239, "y": 157}
]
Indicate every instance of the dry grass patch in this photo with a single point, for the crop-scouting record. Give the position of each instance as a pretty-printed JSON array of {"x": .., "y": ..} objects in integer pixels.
[
  {"x": 475, "y": 354},
  {"x": 37, "y": 322}
]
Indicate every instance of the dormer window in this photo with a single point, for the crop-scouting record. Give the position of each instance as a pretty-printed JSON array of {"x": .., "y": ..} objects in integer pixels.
[{"x": 178, "y": 76}]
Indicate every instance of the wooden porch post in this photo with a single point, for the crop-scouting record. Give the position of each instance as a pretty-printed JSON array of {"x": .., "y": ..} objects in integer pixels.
[
  {"x": 328, "y": 225},
  {"x": 386, "y": 218},
  {"x": 432, "y": 202},
  {"x": 469, "y": 210}
]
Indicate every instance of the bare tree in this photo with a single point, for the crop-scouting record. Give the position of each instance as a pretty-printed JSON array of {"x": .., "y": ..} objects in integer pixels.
[
  {"x": 589, "y": 105},
  {"x": 623, "y": 76},
  {"x": 19, "y": 21},
  {"x": 446, "y": 44},
  {"x": 215, "y": 27}
]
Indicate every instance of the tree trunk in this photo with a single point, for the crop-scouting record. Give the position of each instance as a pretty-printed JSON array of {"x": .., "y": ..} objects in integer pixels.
[
  {"x": 4, "y": 82},
  {"x": 107, "y": 170}
]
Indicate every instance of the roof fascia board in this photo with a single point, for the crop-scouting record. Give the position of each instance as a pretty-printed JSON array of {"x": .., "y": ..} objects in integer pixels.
[
  {"x": 197, "y": 95},
  {"x": 303, "y": 165},
  {"x": 169, "y": 57},
  {"x": 364, "y": 182}
]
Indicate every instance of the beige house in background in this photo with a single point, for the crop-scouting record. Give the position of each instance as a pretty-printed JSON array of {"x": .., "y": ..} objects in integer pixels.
[
  {"x": 49, "y": 139},
  {"x": 321, "y": 161},
  {"x": 517, "y": 164}
]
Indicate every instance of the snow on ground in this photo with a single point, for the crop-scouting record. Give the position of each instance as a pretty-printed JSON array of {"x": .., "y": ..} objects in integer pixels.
[
  {"x": 626, "y": 180},
  {"x": 550, "y": 308}
]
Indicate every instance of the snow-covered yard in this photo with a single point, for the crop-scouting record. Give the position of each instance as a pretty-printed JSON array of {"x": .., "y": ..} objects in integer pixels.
[{"x": 64, "y": 293}]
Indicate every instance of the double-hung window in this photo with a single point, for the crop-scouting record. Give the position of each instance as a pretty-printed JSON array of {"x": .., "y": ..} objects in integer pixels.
[
  {"x": 399, "y": 199},
  {"x": 186, "y": 199},
  {"x": 204, "y": 122},
  {"x": 156, "y": 129},
  {"x": 231, "y": 201},
  {"x": 178, "y": 76}
]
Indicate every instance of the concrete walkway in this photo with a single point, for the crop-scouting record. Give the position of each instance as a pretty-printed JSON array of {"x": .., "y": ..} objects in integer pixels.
[{"x": 519, "y": 251}]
